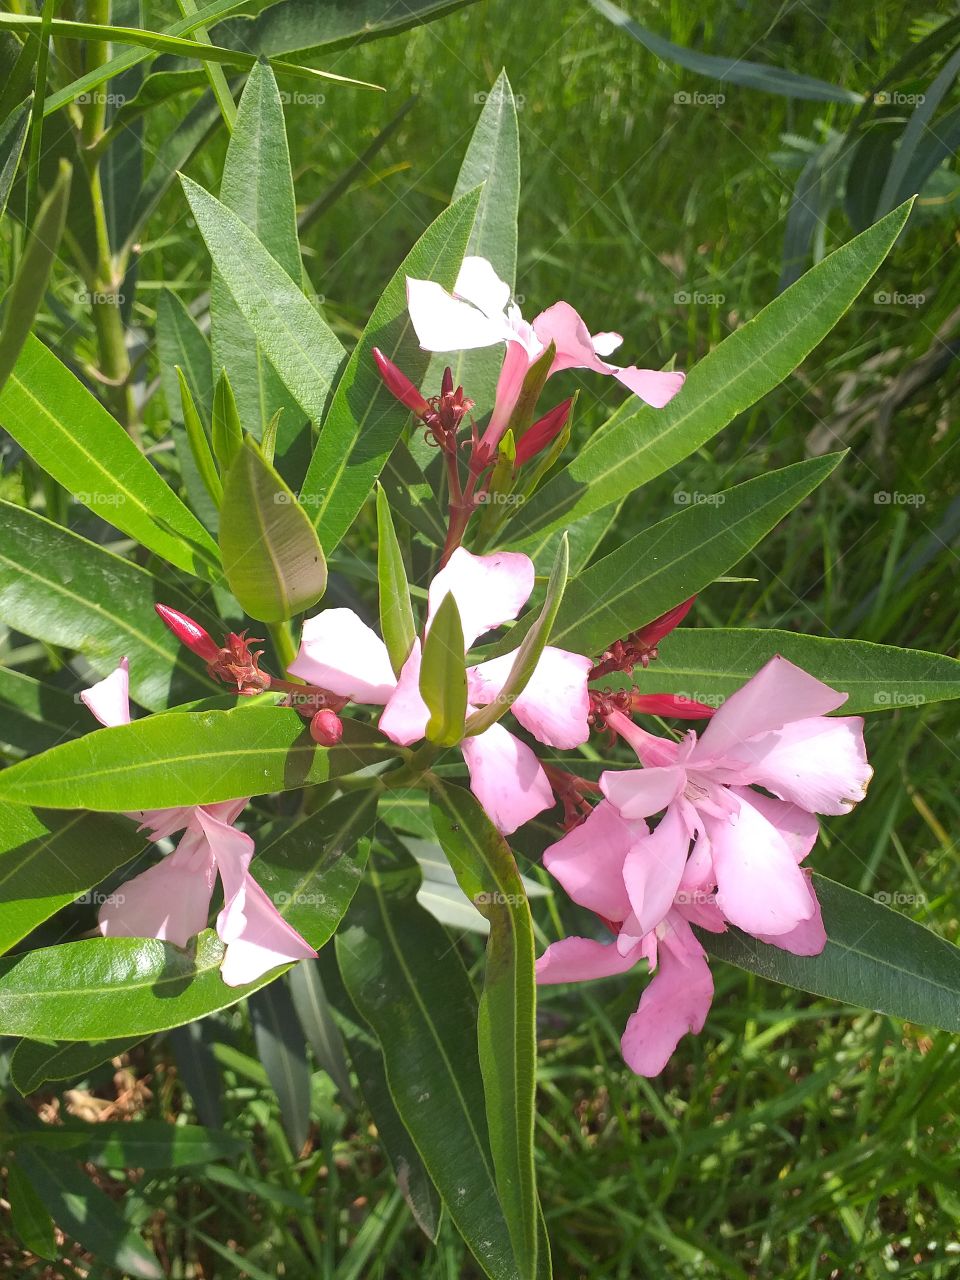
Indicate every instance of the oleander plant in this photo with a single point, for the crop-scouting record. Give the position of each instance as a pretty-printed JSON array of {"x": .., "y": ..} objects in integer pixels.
[{"x": 327, "y": 652}]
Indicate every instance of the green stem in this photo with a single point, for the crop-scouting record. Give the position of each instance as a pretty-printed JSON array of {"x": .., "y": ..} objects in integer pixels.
[
  {"x": 283, "y": 643},
  {"x": 215, "y": 73},
  {"x": 32, "y": 197}
]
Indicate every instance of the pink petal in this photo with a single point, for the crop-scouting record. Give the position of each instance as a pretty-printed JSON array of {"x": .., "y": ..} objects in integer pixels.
[
  {"x": 265, "y": 941},
  {"x": 479, "y": 283},
  {"x": 506, "y": 778},
  {"x": 564, "y": 326},
  {"x": 653, "y": 869},
  {"x": 489, "y": 590},
  {"x": 652, "y": 386},
  {"x": 809, "y": 937},
  {"x": 760, "y": 888},
  {"x": 798, "y": 827},
  {"x": 109, "y": 699},
  {"x": 405, "y": 717},
  {"x": 169, "y": 901},
  {"x": 640, "y": 793},
  {"x": 651, "y": 750},
  {"x": 676, "y": 1000},
  {"x": 605, "y": 344},
  {"x": 554, "y": 704},
  {"x": 778, "y": 694},
  {"x": 819, "y": 764},
  {"x": 340, "y": 653},
  {"x": 444, "y": 323},
  {"x": 582, "y": 960},
  {"x": 514, "y": 369},
  {"x": 232, "y": 851},
  {"x": 588, "y": 861}
]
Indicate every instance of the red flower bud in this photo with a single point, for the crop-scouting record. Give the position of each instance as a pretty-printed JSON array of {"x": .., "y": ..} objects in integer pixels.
[
  {"x": 650, "y": 636},
  {"x": 326, "y": 727},
  {"x": 189, "y": 633},
  {"x": 543, "y": 432},
  {"x": 670, "y": 704},
  {"x": 400, "y": 385}
]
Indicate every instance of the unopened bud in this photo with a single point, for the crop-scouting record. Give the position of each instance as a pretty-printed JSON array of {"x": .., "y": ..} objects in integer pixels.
[
  {"x": 543, "y": 432},
  {"x": 189, "y": 633},
  {"x": 446, "y": 382},
  {"x": 400, "y": 385},
  {"x": 670, "y": 704},
  {"x": 650, "y": 636},
  {"x": 326, "y": 727}
]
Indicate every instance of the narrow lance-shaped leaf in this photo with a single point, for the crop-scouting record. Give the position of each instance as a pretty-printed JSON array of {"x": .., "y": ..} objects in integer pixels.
[
  {"x": 443, "y": 675},
  {"x": 13, "y": 138},
  {"x": 875, "y": 958},
  {"x": 710, "y": 664},
  {"x": 297, "y": 341},
  {"x": 226, "y": 429},
  {"x": 506, "y": 1029},
  {"x": 198, "y": 442},
  {"x": 70, "y": 434},
  {"x": 271, "y": 553},
  {"x": 23, "y": 299},
  {"x": 744, "y": 367},
  {"x": 531, "y": 647},
  {"x": 674, "y": 559},
  {"x": 365, "y": 420},
  {"x": 396, "y": 612},
  {"x": 182, "y": 345},
  {"x": 112, "y": 987},
  {"x": 411, "y": 987},
  {"x": 34, "y": 715},
  {"x": 282, "y": 1049},
  {"x": 29, "y": 1215},
  {"x": 34, "y": 1063}
]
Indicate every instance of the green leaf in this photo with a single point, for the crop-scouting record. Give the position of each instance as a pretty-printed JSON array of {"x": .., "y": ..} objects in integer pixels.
[
  {"x": 410, "y": 985},
  {"x": 506, "y": 1030},
  {"x": 443, "y": 675},
  {"x": 114, "y": 987},
  {"x": 711, "y": 664},
  {"x": 13, "y": 138},
  {"x": 744, "y": 367},
  {"x": 141, "y": 1144},
  {"x": 282, "y": 1049},
  {"x": 736, "y": 70},
  {"x": 198, "y": 442},
  {"x": 257, "y": 185},
  {"x": 875, "y": 958},
  {"x": 902, "y": 172},
  {"x": 531, "y": 647},
  {"x": 183, "y": 347},
  {"x": 319, "y": 1025},
  {"x": 29, "y": 1215},
  {"x": 672, "y": 560},
  {"x": 396, "y": 612},
  {"x": 492, "y": 162},
  {"x": 271, "y": 553},
  {"x": 23, "y": 299},
  {"x": 297, "y": 341},
  {"x": 180, "y": 758},
  {"x": 226, "y": 430},
  {"x": 298, "y": 26},
  {"x": 411, "y": 495},
  {"x": 47, "y": 859},
  {"x": 34, "y": 716},
  {"x": 365, "y": 419},
  {"x": 198, "y": 1069},
  {"x": 34, "y": 1063},
  {"x": 69, "y": 433},
  {"x": 86, "y": 1214},
  {"x": 60, "y": 588}
]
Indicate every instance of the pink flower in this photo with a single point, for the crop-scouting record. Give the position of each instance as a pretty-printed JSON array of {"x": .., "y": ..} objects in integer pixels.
[
  {"x": 479, "y": 313},
  {"x": 649, "y": 886},
  {"x": 341, "y": 653},
  {"x": 171, "y": 900}
]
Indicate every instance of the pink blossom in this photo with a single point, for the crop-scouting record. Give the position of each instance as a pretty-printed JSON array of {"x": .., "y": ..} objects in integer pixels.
[
  {"x": 747, "y": 846},
  {"x": 479, "y": 313},
  {"x": 341, "y": 653},
  {"x": 171, "y": 900}
]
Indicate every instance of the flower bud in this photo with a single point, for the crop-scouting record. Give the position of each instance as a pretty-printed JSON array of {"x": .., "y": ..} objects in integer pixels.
[
  {"x": 670, "y": 704},
  {"x": 326, "y": 727},
  {"x": 649, "y": 637},
  {"x": 543, "y": 432},
  {"x": 189, "y": 633},
  {"x": 400, "y": 385}
]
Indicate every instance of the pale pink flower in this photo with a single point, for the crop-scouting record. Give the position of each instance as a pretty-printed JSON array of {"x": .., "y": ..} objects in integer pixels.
[
  {"x": 649, "y": 886},
  {"x": 479, "y": 313},
  {"x": 171, "y": 900},
  {"x": 339, "y": 652}
]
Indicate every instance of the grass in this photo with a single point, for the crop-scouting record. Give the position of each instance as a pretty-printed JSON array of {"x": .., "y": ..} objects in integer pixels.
[{"x": 793, "y": 1139}]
